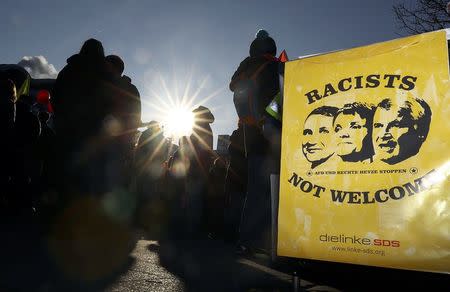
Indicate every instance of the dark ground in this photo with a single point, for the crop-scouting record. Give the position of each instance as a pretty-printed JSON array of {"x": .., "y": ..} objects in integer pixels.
[{"x": 103, "y": 263}]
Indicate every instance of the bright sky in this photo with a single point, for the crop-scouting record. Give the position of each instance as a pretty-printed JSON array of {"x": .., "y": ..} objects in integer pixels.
[{"x": 193, "y": 46}]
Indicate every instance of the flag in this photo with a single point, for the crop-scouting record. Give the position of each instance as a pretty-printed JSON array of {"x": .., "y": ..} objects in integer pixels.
[{"x": 283, "y": 57}]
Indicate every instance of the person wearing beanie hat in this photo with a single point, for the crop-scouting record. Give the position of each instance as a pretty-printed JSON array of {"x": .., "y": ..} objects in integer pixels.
[
  {"x": 254, "y": 84},
  {"x": 262, "y": 68},
  {"x": 262, "y": 44}
]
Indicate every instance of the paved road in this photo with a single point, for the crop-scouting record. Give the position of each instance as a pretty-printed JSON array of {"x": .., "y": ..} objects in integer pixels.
[
  {"x": 210, "y": 266},
  {"x": 99, "y": 257},
  {"x": 200, "y": 266},
  {"x": 29, "y": 264},
  {"x": 146, "y": 274}
]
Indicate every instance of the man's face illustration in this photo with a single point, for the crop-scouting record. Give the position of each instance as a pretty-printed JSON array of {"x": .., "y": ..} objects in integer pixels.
[
  {"x": 350, "y": 133},
  {"x": 318, "y": 138},
  {"x": 388, "y": 132}
]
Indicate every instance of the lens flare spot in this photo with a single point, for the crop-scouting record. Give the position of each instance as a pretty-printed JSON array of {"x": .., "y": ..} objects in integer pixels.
[{"x": 179, "y": 122}]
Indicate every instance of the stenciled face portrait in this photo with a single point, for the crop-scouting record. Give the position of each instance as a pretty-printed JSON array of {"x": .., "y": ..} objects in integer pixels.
[
  {"x": 352, "y": 127},
  {"x": 318, "y": 138},
  {"x": 399, "y": 129},
  {"x": 350, "y": 132},
  {"x": 388, "y": 128}
]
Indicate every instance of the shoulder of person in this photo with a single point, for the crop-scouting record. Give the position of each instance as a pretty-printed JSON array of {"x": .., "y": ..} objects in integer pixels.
[
  {"x": 73, "y": 58},
  {"x": 244, "y": 65},
  {"x": 125, "y": 78},
  {"x": 69, "y": 68}
]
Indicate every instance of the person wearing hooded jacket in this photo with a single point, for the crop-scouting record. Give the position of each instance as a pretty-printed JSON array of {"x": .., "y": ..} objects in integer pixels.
[
  {"x": 126, "y": 98},
  {"x": 202, "y": 132},
  {"x": 197, "y": 176},
  {"x": 153, "y": 210},
  {"x": 79, "y": 91},
  {"x": 120, "y": 126},
  {"x": 81, "y": 101}
]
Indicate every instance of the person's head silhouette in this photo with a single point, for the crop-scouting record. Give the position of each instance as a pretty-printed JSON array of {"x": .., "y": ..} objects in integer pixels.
[
  {"x": 116, "y": 64},
  {"x": 262, "y": 44},
  {"x": 92, "y": 49}
]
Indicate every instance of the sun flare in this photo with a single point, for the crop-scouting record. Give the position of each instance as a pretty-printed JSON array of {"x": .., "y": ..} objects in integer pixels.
[
  {"x": 179, "y": 122},
  {"x": 171, "y": 100}
]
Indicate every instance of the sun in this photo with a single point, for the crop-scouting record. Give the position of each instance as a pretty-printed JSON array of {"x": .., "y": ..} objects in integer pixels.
[
  {"x": 178, "y": 122},
  {"x": 170, "y": 101}
]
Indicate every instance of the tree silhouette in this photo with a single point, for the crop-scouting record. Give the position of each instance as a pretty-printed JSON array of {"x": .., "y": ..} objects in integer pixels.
[{"x": 423, "y": 16}]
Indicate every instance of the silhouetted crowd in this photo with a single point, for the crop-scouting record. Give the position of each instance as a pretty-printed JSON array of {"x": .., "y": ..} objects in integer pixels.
[{"x": 82, "y": 175}]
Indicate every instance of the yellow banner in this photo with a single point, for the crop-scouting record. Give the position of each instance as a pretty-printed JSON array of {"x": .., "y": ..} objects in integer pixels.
[{"x": 365, "y": 168}]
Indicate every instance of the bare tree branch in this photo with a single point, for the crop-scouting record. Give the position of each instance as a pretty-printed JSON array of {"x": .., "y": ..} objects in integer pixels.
[{"x": 422, "y": 16}]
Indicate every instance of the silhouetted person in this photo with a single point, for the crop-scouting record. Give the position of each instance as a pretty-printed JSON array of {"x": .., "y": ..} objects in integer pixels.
[
  {"x": 43, "y": 186},
  {"x": 216, "y": 200},
  {"x": 200, "y": 163},
  {"x": 256, "y": 80},
  {"x": 127, "y": 102},
  {"x": 179, "y": 162},
  {"x": 153, "y": 204},
  {"x": 81, "y": 101},
  {"x": 235, "y": 183},
  {"x": 46, "y": 152},
  {"x": 78, "y": 89},
  {"x": 26, "y": 158},
  {"x": 125, "y": 117},
  {"x": 178, "y": 166},
  {"x": 46, "y": 132},
  {"x": 210, "y": 175},
  {"x": 202, "y": 132},
  {"x": 255, "y": 83},
  {"x": 18, "y": 75},
  {"x": 8, "y": 97},
  {"x": 150, "y": 150}
]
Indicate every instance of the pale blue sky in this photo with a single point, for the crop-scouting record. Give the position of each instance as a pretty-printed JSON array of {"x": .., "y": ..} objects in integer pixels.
[{"x": 178, "y": 39}]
